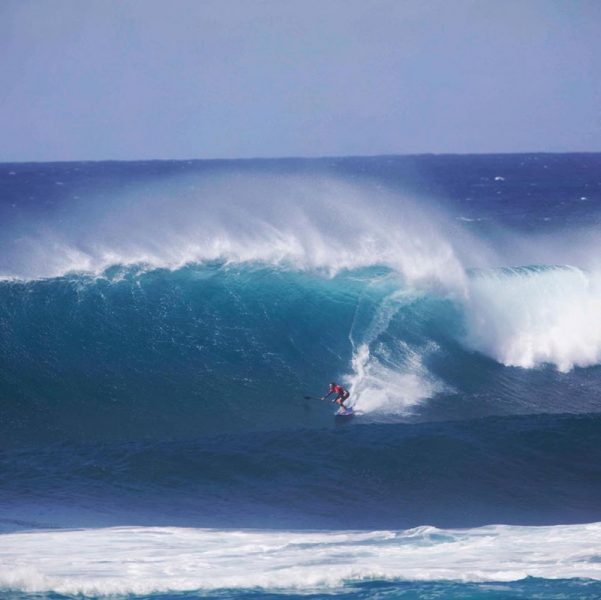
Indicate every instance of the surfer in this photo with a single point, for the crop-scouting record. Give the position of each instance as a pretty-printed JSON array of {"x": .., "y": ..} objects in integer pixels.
[{"x": 341, "y": 394}]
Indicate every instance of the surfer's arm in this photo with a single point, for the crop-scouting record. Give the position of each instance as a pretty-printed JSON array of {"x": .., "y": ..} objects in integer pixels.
[{"x": 327, "y": 396}]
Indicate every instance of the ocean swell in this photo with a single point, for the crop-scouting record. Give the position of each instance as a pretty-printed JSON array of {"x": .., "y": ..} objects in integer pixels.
[{"x": 522, "y": 469}]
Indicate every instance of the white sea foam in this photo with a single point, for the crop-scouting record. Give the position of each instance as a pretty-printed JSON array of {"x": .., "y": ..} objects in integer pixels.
[
  {"x": 145, "y": 560},
  {"x": 528, "y": 317},
  {"x": 390, "y": 388},
  {"x": 385, "y": 380}
]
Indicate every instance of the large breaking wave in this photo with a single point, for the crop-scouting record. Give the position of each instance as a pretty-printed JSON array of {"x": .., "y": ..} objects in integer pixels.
[
  {"x": 195, "y": 304},
  {"x": 216, "y": 347}
]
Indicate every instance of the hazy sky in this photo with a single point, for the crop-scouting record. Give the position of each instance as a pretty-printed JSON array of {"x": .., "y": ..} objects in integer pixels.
[{"x": 127, "y": 79}]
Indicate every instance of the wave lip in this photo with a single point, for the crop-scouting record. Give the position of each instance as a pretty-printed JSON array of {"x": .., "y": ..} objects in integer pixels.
[{"x": 145, "y": 560}]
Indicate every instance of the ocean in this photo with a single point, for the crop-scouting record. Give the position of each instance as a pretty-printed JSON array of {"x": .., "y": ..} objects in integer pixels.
[{"x": 167, "y": 329}]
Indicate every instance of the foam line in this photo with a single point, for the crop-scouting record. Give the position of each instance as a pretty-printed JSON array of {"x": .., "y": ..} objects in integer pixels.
[{"x": 145, "y": 560}]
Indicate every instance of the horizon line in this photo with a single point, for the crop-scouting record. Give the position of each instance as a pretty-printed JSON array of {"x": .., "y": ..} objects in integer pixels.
[{"x": 300, "y": 157}]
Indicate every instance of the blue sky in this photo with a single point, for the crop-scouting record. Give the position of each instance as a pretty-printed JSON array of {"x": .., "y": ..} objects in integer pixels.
[{"x": 135, "y": 79}]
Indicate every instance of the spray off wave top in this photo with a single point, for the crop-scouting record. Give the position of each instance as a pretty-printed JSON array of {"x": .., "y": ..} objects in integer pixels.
[{"x": 301, "y": 223}]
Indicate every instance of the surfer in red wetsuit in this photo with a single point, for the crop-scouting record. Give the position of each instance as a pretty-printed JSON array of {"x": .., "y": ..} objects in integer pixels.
[{"x": 341, "y": 394}]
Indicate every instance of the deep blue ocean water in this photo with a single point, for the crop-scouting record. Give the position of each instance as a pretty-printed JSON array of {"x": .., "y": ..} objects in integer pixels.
[{"x": 162, "y": 322}]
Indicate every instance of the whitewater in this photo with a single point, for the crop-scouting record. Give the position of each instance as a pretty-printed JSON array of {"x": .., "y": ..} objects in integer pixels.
[
  {"x": 170, "y": 559},
  {"x": 161, "y": 323}
]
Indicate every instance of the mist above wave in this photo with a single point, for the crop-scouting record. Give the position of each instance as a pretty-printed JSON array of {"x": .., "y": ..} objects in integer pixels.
[{"x": 301, "y": 222}]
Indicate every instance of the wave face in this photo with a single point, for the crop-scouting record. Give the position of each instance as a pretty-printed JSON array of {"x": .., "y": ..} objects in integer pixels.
[
  {"x": 170, "y": 354},
  {"x": 162, "y": 323}
]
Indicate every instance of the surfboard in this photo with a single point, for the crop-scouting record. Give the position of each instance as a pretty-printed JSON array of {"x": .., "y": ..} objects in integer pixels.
[{"x": 344, "y": 412}]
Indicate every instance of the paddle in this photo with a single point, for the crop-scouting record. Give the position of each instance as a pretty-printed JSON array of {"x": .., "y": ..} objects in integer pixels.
[{"x": 315, "y": 398}]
